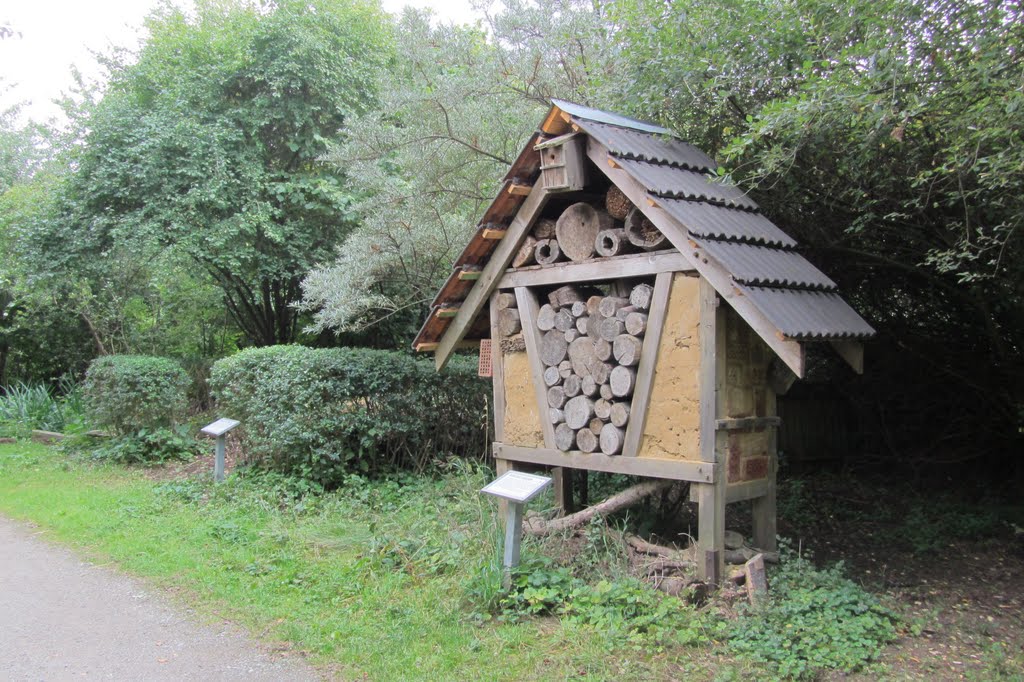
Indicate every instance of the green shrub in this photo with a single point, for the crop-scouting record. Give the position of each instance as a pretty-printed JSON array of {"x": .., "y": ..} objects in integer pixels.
[
  {"x": 627, "y": 610},
  {"x": 127, "y": 393},
  {"x": 323, "y": 413},
  {"x": 24, "y": 407},
  {"x": 149, "y": 446},
  {"x": 815, "y": 620}
]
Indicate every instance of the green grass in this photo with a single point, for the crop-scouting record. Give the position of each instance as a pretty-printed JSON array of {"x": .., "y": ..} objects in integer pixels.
[{"x": 375, "y": 580}]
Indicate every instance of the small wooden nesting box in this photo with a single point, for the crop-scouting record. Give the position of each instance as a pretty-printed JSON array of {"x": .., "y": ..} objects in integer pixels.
[
  {"x": 660, "y": 357},
  {"x": 562, "y": 165}
]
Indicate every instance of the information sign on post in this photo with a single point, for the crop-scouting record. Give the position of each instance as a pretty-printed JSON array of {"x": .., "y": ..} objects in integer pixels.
[
  {"x": 219, "y": 429},
  {"x": 517, "y": 488}
]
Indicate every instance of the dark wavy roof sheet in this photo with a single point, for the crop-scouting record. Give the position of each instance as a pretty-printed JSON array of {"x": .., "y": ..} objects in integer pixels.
[
  {"x": 766, "y": 266},
  {"x": 718, "y": 222},
  {"x": 669, "y": 181},
  {"x": 802, "y": 314},
  {"x": 631, "y": 144}
]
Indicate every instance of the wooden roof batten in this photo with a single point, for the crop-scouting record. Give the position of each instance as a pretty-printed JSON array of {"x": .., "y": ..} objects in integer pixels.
[
  {"x": 500, "y": 259},
  {"x": 698, "y": 249}
]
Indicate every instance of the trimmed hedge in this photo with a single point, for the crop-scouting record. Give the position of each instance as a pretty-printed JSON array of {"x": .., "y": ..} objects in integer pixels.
[
  {"x": 129, "y": 393},
  {"x": 321, "y": 413}
]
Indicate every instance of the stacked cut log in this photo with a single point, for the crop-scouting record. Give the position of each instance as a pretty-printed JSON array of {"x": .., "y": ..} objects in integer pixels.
[
  {"x": 590, "y": 348},
  {"x": 509, "y": 324},
  {"x": 584, "y": 231}
]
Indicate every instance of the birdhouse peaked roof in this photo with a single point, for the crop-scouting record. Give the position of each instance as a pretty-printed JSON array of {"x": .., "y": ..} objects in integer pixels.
[{"x": 720, "y": 231}]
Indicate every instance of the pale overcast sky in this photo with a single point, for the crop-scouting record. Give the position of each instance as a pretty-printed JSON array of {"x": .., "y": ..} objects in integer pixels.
[{"x": 54, "y": 34}]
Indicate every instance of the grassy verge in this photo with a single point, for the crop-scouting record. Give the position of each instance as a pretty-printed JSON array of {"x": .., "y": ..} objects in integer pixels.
[{"x": 378, "y": 580}]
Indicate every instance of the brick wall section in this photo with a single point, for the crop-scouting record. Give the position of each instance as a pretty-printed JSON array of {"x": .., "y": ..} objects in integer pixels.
[{"x": 746, "y": 395}]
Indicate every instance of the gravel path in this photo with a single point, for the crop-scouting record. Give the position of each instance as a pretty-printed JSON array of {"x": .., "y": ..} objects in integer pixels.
[{"x": 62, "y": 618}]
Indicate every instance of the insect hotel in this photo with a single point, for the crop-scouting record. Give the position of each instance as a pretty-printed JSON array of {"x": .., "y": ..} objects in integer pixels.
[{"x": 638, "y": 317}]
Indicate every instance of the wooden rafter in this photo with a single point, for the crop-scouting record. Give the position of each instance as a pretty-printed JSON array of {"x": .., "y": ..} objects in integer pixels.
[
  {"x": 489, "y": 276},
  {"x": 790, "y": 351}
]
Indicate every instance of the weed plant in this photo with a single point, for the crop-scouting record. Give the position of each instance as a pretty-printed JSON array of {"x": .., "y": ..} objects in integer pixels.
[
  {"x": 147, "y": 446},
  {"x": 814, "y": 620},
  {"x": 24, "y": 407}
]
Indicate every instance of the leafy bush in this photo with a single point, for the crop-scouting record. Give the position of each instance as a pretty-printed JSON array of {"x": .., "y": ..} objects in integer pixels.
[
  {"x": 24, "y": 407},
  {"x": 127, "y": 393},
  {"x": 323, "y": 413},
  {"x": 149, "y": 446},
  {"x": 815, "y": 620},
  {"x": 625, "y": 609}
]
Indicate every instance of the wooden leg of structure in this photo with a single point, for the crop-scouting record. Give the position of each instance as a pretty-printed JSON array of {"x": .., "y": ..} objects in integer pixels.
[
  {"x": 562, "y": 481},
  {"x": 711, "y": 531},
  {"x": 502, "y": 466},
  {"x": 763, "y": 508}
]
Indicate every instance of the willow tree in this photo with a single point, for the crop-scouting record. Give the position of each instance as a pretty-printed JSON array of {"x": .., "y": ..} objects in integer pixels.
[{"x": 454, "y": 111}]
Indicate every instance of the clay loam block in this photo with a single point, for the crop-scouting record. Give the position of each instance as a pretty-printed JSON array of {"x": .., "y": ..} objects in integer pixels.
[
  {"x": 522, "y": 417},
  {"x": 672, "y": 427}
]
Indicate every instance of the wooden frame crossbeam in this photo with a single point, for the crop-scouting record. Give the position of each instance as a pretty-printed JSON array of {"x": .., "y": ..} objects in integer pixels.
[
  {"x": 674, "y": 469},
  {"x": 599, "y": 269}
]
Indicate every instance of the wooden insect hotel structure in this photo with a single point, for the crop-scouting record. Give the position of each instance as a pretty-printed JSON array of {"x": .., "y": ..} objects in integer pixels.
[{"x": 638, "y": 316}]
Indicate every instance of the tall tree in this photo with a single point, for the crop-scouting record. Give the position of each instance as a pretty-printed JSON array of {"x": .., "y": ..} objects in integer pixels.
[
  {"x": 208, "y": 143},
  {"x": 886, "y": 136},
  {"x": 455, "y": 110}
]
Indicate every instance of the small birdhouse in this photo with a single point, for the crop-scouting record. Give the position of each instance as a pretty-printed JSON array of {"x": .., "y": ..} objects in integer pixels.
[{"x": 562, "y": 167}]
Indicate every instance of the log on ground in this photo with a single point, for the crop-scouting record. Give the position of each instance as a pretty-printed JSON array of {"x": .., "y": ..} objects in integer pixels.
[{"x": 619, "y": 501}]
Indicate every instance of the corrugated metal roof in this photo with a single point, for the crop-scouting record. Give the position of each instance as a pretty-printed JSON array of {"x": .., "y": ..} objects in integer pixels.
[
  {"x": 631, "y": 144},
  {"x": 580, "y": 111},
  {"x": 766, "y": 266},
  {"x": 719, "y": 222},
  {"x": 802, "y": 314},
  {"x": 668, "y": 181}
]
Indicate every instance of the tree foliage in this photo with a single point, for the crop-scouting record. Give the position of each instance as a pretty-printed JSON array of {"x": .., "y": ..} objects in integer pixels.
[
  {"x": 455, "y": 110},
  {"x": 207, "y": 145},
  {"x": 886, "y": 137}
]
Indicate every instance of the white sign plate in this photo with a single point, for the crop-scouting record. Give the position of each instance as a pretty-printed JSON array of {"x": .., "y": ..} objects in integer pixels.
[
  {"x": 516, "y": 486},
  {"x": 220, "y": 427}
]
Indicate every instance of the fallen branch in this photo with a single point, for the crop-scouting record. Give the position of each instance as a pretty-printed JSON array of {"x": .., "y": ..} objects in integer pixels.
[
  {"x": 627, "y": 498},
  {"x": 664, "y": 566}
]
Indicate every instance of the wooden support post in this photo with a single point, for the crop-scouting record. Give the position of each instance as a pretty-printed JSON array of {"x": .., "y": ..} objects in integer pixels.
[
  {"x": 764, "y": 507},
  {"x": 497, "y": 373},
  {"x": 562, "y": 482},
  {"x": 711, "y": 496}
]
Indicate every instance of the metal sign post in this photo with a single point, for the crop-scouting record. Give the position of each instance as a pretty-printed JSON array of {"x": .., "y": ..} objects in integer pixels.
[
  {"x": 219, "y": 429},
  {"x": 517, "y": 488}
]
